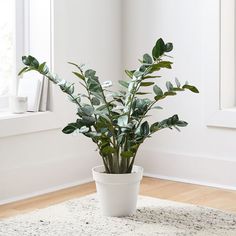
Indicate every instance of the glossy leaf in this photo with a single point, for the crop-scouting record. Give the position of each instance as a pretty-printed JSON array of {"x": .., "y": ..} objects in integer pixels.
[
  {"x": 158, "y": 49},
  {"x": 145, "y": 84},
  {"x": 126, "y": 154},
  {"x": 157, "y": 90},
  {"x": 78, "y": 75},
  {"x": 191, "y": 88},
  {"x": 147, "y": 59},
  {"x": 70, "y": 128}
]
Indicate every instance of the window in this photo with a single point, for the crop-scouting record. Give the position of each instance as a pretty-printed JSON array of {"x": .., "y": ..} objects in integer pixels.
[
  {"x": 6, "y": 45},
  {"x": 33, "y": 32},
  {"x": 219, "y": 73},
  {"x": 11, "y": 46}
]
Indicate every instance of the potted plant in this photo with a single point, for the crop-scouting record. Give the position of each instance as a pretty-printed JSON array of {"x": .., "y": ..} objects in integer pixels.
[{"x": 117, "y": 121}]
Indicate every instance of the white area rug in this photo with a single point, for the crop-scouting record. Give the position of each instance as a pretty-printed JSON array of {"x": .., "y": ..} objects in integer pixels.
[{"x": 154, "y": 217}]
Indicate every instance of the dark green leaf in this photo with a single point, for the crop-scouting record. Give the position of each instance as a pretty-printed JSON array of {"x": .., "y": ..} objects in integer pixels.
[
  {"x": 168, "y": 47},
  {"x": 144, "y": 129},
  {"x": 157, "y": 90},
  {"x": 170, "y": 93},
  {"x": 124, "y": 83},
  {"x": 191, "y": 88},
  {"x": 107, "y": 150},
  {"x": 169, "y": 86},
  {"x": 70, "y": 128},
  {"x": 127, "y": 154},
  {"x": 165, "y": 64},
  {"x": 147, "y": 84},
  {"x": 181, "y": 123},
  {"x": 22, "y": 71},
  {"x": 151, "y": 77},
  {"x": 138, "y": 73},
  {"x": 78, "y": 75},
  {"x": 87, "y": 110},
  {"x": 30, "y": 61},
  {"x": 158, "y": 49},
  {"x": 88, "y": 120},
  {"x": 129, "y": 73},
  {"x": 90, "y": 73},
  {"x": 147, "y": 59},
  {"x": 95, "y": 101},
  {"x": 74, "y": 64},
  {"x": 142, "y": 93}
]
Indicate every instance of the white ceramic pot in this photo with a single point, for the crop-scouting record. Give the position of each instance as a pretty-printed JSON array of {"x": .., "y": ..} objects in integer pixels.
[{"x": 117, "y": 193}]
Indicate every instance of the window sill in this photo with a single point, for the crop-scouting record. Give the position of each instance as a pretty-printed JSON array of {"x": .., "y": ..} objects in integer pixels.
[{"x": 16, "y": 124}]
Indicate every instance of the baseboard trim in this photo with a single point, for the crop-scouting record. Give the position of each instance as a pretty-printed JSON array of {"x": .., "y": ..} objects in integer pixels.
[
  {"x": 45, "y": 191},
  {"x": 189, "y": 181},
  {"x": 212, "y": 171}
]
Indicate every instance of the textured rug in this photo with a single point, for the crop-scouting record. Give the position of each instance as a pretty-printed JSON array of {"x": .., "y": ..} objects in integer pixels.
[{"x": 154, "y": 217}]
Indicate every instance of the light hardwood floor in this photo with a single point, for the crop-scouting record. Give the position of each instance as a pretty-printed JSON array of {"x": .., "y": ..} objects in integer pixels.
[{"x": 165, "y": 189}]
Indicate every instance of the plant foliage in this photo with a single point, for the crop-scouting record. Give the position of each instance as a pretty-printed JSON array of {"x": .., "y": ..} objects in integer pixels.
[{"x": 117, "y": 121}]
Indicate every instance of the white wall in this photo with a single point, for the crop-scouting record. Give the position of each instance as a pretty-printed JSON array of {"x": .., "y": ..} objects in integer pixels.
[
  {"x": 199, "y": 153},
  {"x": 85, "y": 32}
]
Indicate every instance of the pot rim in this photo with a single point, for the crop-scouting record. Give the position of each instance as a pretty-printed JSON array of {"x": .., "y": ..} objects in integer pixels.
[
  {"x": 126, "y": 178},
  {"x": 136, "y": 169}
]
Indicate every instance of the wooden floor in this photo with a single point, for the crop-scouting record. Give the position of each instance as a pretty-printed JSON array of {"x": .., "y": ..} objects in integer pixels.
[{"x": 176, "y": 191}]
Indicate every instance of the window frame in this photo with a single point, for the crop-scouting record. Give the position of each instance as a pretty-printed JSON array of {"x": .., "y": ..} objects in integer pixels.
[
  {"x": 19, "y": 49},
  {"x": 16, "y": 124},
  {"x": 220, "y": 112}
]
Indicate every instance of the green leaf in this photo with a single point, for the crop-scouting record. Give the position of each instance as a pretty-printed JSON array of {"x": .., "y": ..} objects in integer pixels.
[
  {"x": 78, "y": 75},
  {"x": 158, "y": 49},
  {"x": 177, "y": 83},
  {"x": 169, "y": 86},
  {"x": 30, "y": 61},
  {"x": 95, "y": 101},
  {"x": 138, "y": 73},
  {"x": 126, "y": 154},
  {"x": 43, "y": 69},
  {"x": 94, "y": 87},
  {"x": 90, "y": 73},
  {"x": 168, "y": 47},
  {"x": 142, "y": 93},
  {"x": 41, "y": 66},
  {"x": 107, "y": 150},
  {"x": 181, "y": 123},
  {"x": 144, "y": 129},
  {"x": 124, "y": 83},
  {"x": 22, "y": 71},
  {"x": 122, "y": 121},
  {"x": 169, "y": 93},
  {"x": 72, "y": 63},
  {"x": 158, "y": 66},
  {"x": 129, "y": 73},
  {"x": 157, "y": 90},
  {"x": 154, "y": 127},
  {"x": 70, "y": 128},
  {"x": 146, "y": 84},
  {"x": 88, "y": 120},
  {"x": 151, "y": 77},
  {"x": 191, "y": 88},
  {"x": 147, "y": 59},
  {"x": 165, "y": 64},
  {"x": 87, "y": 110},
  {"x": 83, "y": 129},
  {"x": 157, "y": 107}
]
